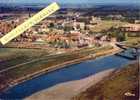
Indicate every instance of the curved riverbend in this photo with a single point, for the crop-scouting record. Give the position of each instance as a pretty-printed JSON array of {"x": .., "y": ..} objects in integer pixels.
[{"x": 70, "y": 73}]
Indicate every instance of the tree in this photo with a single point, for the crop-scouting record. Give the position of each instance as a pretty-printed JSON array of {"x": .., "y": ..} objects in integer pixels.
[
  {"x": 51, "y": 25},
  {"x": 116, "y": 32}
]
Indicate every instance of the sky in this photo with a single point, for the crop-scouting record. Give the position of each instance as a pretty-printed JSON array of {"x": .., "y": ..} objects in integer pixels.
[{"x": 74, "y": 1}]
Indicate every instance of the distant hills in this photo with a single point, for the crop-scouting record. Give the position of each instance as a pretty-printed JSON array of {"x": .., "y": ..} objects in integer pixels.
[{"x": 6, "y": 8}]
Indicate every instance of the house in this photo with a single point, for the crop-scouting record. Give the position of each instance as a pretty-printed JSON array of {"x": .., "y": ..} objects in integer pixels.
[{"x": 131, "y": 30}]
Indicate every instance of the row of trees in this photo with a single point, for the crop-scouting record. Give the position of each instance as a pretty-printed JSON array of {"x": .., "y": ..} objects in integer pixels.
[
  {"x": 117, "y": 33},
  {"x": 59, "y": 44}
]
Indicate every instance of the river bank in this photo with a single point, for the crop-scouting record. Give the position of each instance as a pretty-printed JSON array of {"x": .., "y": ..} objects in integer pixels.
[
  {"x": 69, "y": 73},
  {"x": 123, "y": 84},
  {"x": 65, "y": 91},
  {"x": 59, "y": 66}
]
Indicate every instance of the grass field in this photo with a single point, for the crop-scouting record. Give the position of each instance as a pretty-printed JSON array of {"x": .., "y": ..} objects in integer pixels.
[
  {"x": 107, "y": 24},
  {"x": 133, "y": 41},
  {"x": 12, "y": 56}
]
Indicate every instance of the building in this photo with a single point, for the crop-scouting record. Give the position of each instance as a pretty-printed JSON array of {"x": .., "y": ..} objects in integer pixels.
[{"x": 131, "y": 30}]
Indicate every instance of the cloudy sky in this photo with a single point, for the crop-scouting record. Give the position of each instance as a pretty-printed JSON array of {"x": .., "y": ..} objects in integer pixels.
[{"x": 74, "y": 1}]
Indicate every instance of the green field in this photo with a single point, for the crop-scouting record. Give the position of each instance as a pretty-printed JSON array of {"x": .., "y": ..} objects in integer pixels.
[
  {"x": 133, "y": 41},
  {"x": 107, "y": 24},
  {"x": 14, "y": 56}
]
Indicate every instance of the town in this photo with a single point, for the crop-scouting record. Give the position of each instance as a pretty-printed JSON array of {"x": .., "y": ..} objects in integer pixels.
[
  {"x": 81, "y": 52},
  {"x": 69, "y": 29}
]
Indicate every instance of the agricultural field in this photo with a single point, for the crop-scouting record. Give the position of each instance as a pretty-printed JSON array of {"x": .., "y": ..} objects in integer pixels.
[{"x": 107, "y": 24}]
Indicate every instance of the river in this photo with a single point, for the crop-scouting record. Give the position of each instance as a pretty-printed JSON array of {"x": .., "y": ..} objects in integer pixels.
[{"x": 69, "y": 73}]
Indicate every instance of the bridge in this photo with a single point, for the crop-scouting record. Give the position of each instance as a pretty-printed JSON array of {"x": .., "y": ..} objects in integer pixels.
[{"x": 134, "y": 52}]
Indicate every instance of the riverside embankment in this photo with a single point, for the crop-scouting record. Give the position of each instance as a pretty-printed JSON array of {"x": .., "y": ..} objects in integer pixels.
[
  {"x": 68, "y": 73},
  {"x": 15, "y": 75}
]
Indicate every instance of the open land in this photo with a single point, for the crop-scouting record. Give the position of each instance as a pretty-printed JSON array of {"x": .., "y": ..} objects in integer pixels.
[{"x": 116, "y": 87}]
